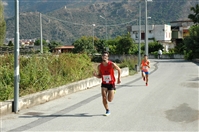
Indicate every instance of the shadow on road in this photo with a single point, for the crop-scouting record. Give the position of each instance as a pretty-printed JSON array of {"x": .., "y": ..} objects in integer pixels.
[
  {"x": 59, "y": 115},
  {"x": 182, "y": 113},
  {"x": 131, "y": 85}
]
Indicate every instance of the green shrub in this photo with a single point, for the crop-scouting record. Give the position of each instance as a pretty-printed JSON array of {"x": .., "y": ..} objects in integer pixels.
[
  {"x": 97, "y": 58},
  {"x": 155, "y": 54},
  {"x": 41, "y": 72},
  {"x": 188, "y": 55},
  {"x": 129, "y": 62}
]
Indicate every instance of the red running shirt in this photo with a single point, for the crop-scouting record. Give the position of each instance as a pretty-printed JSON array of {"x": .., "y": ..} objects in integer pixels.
[
  {"x": 145, "y": 65},
  {"x": 107, "y": 73}
]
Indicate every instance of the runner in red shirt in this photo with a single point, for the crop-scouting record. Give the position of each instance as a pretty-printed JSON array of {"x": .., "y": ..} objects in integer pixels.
[
  {"x": 145, "y": 69},
  {"x": 106, "y": 72}
]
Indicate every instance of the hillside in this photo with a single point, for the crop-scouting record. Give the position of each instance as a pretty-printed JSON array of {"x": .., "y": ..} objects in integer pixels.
[
  {"x": 44, "y": 6},
  {"x": 72, "y": 21}
]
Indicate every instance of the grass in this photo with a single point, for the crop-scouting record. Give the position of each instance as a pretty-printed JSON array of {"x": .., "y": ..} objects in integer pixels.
[{"x": 39, "y": 73}]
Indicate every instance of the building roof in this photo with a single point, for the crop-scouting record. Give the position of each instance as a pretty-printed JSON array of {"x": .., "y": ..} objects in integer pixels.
[
  {"x": 65, "y": 47},
  {"x": 181, "y": 21}
]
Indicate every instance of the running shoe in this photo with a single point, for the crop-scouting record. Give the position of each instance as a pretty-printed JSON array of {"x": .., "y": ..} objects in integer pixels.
[
  {"x": 143, "y": 78},
  {"x": 107, "y": 113},
  {"x": 146, "y": 84}
]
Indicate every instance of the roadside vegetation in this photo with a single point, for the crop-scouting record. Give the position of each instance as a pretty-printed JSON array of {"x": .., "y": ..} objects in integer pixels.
[{"x": 40, "y": 73}]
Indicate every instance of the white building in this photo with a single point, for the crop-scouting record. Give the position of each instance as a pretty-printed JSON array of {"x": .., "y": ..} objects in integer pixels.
[
  {"x": 161, "y": 33},
  {"x": 157, "y": 32}
]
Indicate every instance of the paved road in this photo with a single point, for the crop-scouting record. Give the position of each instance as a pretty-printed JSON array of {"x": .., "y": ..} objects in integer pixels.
[{"x": 169, "y": 103}]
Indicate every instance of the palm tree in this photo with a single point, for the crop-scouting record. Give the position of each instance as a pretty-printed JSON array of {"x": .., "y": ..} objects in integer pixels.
[{"x": 194, "y": 17}]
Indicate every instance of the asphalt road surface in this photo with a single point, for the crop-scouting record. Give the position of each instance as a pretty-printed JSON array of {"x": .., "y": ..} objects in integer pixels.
[{"x": 169, "y": 103}]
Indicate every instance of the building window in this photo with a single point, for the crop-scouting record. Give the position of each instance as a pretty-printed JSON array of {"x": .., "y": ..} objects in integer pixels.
[
  {"x": 136, "y": 35},
  {"x": 142, "y": 36}
]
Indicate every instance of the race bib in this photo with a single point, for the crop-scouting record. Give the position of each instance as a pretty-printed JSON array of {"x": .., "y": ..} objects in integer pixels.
[
  {"x": 145, "y": 67},
  {"x": 107, "y": 78}
]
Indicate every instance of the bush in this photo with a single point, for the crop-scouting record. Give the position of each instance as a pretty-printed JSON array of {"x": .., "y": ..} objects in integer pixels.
[
  {"x": 38, "y": 73},
  {"x": 155, "y": 54},
  {"x": 129, "y": 62},
  {"x": 97, "y": 58},
  {"x": 188, "y": 55}
]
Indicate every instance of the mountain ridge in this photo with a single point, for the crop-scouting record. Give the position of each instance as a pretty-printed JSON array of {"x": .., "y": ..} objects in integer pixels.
[{"x": 68, "y": 24}]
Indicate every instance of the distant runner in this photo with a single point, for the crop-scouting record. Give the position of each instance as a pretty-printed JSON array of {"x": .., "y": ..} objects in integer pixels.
[
  {"x": 106, "y": 72},
  {"x": 145, "y": 69}
]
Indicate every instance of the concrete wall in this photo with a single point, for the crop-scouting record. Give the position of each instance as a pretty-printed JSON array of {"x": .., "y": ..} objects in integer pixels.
[
  {"x": 175, "y": 56},
  {"x": 51, "y": 94},
  {"x": 122, "y": 57}
]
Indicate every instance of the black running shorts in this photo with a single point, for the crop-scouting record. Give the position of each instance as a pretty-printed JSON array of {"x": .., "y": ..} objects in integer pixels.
[{"x": 108, "y": 86}]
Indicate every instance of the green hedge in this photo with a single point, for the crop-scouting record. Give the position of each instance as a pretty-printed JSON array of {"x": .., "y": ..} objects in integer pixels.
[{"x": 38, "y": 73}]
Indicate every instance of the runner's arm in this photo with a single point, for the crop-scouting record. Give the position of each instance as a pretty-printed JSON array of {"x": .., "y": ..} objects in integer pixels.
[
  {"x": 148, "y": 64},
  {"x": 115, "y": 66},
  {"x": 141, "y": 65}
]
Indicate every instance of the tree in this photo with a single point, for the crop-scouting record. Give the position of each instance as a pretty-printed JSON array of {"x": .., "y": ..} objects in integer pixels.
[
  {"x": 100, "y": 45},
  {"x": 194, "y": 17},
  {"x": 84, "y": 45},
  {"x": 112, "y": 43},
  {"x": 155, "y": 46},
  {"x": 126, "y": 45},
  {"x": 179, "y": 48},
  {"x": 10, "y": 43},
  {"x": 37, "y": 42},
  {"x": 2, "y": 24},
  {"x": 192, "y": 43},
  {"x": 53, "y": 44}
]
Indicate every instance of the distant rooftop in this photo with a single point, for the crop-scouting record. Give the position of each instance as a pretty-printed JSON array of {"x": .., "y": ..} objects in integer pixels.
[
  {"x": 181, "y": 21},
  {"x": 65, "y": 47}
]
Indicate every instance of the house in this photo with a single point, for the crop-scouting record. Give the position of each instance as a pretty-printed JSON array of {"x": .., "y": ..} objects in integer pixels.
[
  {"x": 27, "y": 42},
  {"x": 64, "y": 49},
  {"x": 160, "y": 33},
  {"x": 180, "y": 29}
]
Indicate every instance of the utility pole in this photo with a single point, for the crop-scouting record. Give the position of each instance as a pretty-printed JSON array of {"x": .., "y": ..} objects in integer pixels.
[
  {"x": 93, "y": 35},
  {"x": 106, "y": 30},
  {"x": 106, "y": 25},
  {"x": 139, "y": 36},
  {"x": 146, "y": 29},
  {"x": 16, "y": 58},
  {"x": 41, "y": 35}
]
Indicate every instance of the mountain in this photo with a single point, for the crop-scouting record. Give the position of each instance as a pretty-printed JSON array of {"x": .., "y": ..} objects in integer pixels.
[
  {"x": 70, "y": 20},
  {"x": 44, "y": 6}
]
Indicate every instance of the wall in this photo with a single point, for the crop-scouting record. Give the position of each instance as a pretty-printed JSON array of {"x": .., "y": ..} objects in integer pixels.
[
  {"x": 175, "y": 56},
  {"x": 122, "y": 57},
  {"x": 51, "y": 94}
]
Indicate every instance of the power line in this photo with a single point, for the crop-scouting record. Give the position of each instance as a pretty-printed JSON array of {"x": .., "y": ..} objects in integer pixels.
[{"x": 90, "y": 25}]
